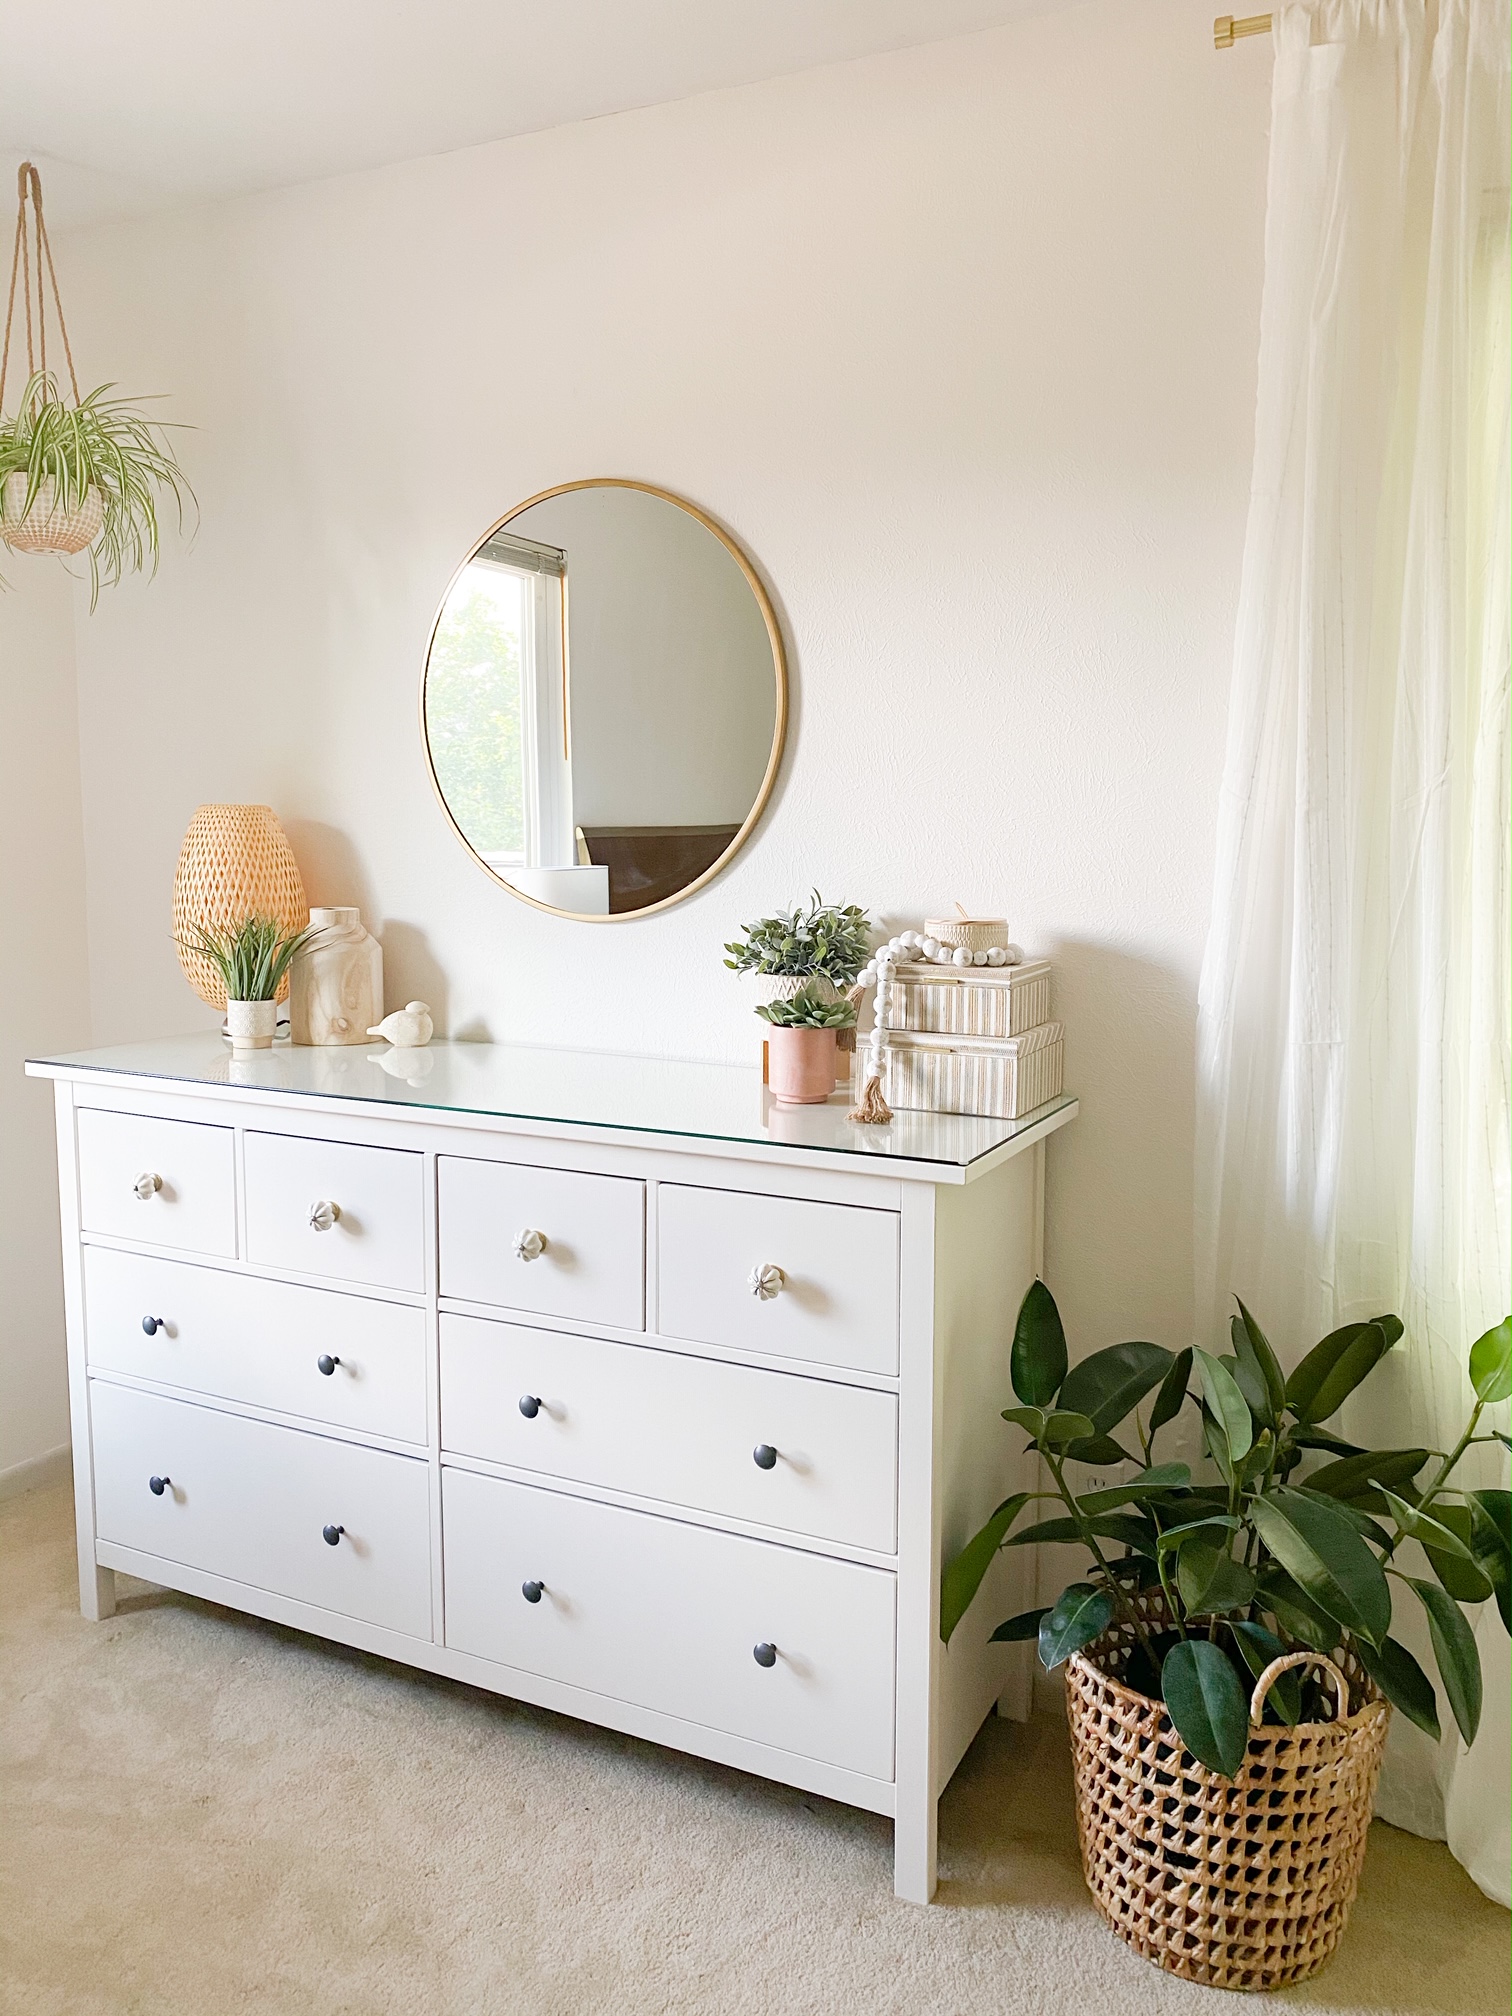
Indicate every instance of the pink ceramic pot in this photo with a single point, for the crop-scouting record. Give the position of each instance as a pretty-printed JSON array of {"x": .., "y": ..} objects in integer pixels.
[{"x": 801, "y": 1065}]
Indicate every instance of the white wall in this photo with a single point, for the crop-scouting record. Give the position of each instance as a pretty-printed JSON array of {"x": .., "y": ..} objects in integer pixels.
[
  {"x": 672, "y": 694},
  {"x": 960, "y": 343},
  {"x": 44, "y": 994}
]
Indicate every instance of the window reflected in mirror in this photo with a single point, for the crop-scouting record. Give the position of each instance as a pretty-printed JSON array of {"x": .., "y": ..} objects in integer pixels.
[{"x": 605, "y": 700}]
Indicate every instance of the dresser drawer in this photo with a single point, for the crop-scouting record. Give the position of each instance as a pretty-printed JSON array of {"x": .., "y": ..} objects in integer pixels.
[
  {"x": 684, "y": 1430},
  {"x": 327, "y": 1207},
  {"x": 833, "y": 1298},
  {"x": 249, "y": 1501},
  {"x": 591, "y": 1261},
  {"x": 260, "y": 1342},
  {"x": 667, "y": 1616},
  {"x": 164, "y": 1182}
]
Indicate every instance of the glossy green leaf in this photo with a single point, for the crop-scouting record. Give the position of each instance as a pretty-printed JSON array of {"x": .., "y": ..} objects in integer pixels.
[
  {"x": 1331, "y": 1370},
  {"x": 1156, "y": 1482},
  {"x": 1080, "y": 1614},
  {"x": 1177, "y": 1536},
  {"x": 1258, "y": 1647},
  {"x": 1294, "y": 1610},
  {"x": 1030, "y": 1419},
  {"x": 1259, "y": 1362},
  {"x": 1490, "y": 1521},
  {"x": 1173, "y": 1391},
  {"x": 1025, "y": 1625},
  {"x": 1352, "y": 1510},
  {"x": 1063, "y": 1427},
  {"x": 1352, "y": 1475},
  {"x": 1205, "y": 1700},
  {"x": 1228, "y": 1405},
  {"x": 1118, "y": 1526},
  {"x": 1402, "y": 1681},
  {"x": 1491, "y": 1363},
  {"x": 1037, "y": 1363},
  {"x": 1110, "y": 1384},
  {"x": 1324, "y": 1438},
  {"x": 1099, "y": 1451},
  {"x": 1426, "y": 1527},
  {"x": 1210, "y": 1581},
  {"x": 1216, "y": 1443},
  {"x": 1466, "y": 1581},
  {"x": 1326, "y": 1557},
  {"x": 1455, "y": 1650},
  {"x": 963, "y": 1577}
]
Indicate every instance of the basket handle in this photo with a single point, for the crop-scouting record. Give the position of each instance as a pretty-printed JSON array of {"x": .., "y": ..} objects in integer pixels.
[{"x": 1277, "y": 1667}]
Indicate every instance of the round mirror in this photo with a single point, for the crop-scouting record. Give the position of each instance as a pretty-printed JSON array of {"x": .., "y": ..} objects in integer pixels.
[{"x": 605, "y": 699}]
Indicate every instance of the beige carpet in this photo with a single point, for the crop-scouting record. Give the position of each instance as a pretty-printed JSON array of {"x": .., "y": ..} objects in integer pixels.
[{"x": 201, "y": 1814}]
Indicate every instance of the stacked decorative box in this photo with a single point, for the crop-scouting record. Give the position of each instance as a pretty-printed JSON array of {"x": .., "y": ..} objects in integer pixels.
[{"x": 963, "y": 1033}]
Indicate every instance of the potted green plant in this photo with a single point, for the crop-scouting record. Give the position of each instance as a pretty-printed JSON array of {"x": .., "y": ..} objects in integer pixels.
[
  {"x": 1230, "y": 1663},
  {"x": 819, "y": 949},
  {"x": 803, "y": 1029},
  {"x": 84, "y": 473},
  {"x": 252, "y": 961}
]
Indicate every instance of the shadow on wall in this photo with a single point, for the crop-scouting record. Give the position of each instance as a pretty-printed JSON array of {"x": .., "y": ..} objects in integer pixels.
[
  {"x": 330, "y": 866},
  {"x": 411, "y": 972},
  {"x": 1120, "y": 1260}
]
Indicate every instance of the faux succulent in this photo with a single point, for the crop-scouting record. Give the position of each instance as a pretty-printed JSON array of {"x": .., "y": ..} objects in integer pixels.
[
  {"x": 250, "y": 958},
  {"x": 824, "y": 940},
  {"x": 1293, "y": 1543},
  {"x": 808, "y": 1010}
]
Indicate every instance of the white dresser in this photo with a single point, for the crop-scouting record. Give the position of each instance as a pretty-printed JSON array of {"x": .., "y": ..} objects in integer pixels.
[{"x": 598, "y": 1382}]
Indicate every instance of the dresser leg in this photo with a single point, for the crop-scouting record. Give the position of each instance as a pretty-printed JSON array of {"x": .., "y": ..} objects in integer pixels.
[
  {"x": 915, "y": 1837},
  {"x": 97, "y": 1592}
]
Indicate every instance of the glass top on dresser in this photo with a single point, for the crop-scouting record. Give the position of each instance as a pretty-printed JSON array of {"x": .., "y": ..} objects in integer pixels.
[{"x": 577, "y": 1088}]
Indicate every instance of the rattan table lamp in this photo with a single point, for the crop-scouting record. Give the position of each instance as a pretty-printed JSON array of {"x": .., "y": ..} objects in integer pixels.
[{"x": 235, "y": 861}]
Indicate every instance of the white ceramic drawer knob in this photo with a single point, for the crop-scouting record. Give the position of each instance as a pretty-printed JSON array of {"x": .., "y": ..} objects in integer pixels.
[
  {"x": 765, "y": 1282},
  {"x": 147, "y": 1185},
  {"x": 530, "y": 1245},
  {"x": 323, "y": 1215}
]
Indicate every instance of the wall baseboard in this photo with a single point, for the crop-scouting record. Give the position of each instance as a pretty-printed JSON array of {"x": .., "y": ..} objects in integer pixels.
[{"x": 53, "y": 1466}]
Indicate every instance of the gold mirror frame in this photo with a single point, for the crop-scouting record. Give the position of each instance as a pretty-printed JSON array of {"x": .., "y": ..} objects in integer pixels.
[{"x": 779, "y": 726}]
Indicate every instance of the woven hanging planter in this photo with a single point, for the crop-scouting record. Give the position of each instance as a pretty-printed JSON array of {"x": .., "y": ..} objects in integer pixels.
[
  {"x": 45, "y": 528},
  {"x": 1243, "y": 1883},
  {"x": 235, "y": 863}
]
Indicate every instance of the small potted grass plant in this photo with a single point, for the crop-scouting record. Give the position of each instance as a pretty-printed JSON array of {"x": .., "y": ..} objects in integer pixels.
[
  {"x": 1228, "y": 1649},
  {"x": 252, "y": 961},
  {"x": 802, "y": 1036}
]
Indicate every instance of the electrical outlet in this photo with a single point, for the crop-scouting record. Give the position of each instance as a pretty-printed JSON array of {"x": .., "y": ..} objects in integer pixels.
[{"x": 1094, "y": 1480}]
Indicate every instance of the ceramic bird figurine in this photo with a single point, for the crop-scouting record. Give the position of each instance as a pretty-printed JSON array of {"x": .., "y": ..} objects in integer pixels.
[{"x": 408, "y": 1028}]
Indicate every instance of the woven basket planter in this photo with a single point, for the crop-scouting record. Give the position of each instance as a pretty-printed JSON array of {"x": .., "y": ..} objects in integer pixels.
[
  {"x": 46, "y": 528},
  {"x": 1242, "y": 1884}
]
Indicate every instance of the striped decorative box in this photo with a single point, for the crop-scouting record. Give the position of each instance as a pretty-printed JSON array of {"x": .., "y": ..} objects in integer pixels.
[
  {"x": 1003, "y": 1080},
  {"x": 992, "y": 1001}
]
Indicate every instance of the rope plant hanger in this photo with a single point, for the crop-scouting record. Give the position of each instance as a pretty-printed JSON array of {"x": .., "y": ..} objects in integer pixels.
[{"x": 76, "y": 471}]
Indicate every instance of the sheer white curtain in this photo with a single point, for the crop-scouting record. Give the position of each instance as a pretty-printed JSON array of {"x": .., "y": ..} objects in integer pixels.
[{"x": 1353, "y": 1017}]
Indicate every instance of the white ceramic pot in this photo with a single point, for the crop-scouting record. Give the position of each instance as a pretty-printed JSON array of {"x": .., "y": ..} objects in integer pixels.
[
  {"x": 251, "y": 1024},
  {"x": 46, "y": 528}
]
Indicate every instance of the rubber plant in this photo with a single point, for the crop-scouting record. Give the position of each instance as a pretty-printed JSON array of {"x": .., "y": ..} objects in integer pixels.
[
  {"x": 1292, "y": 1542},
  {"x": 76, "y": 471}
]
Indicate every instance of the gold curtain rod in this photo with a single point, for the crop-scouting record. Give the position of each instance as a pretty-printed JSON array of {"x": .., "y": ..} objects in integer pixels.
[{"x": 1227, "y": 31}]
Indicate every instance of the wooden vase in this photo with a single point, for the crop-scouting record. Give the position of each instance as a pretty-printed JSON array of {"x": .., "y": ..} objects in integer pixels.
[
  {"x": 236, "y": 862},
  {"x": 337, "y": 993}
]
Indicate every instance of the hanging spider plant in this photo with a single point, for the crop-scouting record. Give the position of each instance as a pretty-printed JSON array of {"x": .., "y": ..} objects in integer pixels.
[{"x": 86, "y": 472}]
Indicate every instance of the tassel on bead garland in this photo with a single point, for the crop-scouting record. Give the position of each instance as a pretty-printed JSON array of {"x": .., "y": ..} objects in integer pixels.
[{"x": 873, "y": 1110}]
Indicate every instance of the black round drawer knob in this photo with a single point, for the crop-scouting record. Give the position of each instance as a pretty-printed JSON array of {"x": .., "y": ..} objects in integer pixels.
[
  {"x": 158, "y": 1485},
  {"x": 532, "y": 1591},
  {"x": 326, "y": 1363},
  {"x": 530, "y": 1406},
  {"x": 764, "y": 1655},
  {"x": 331, "y": 1534},
  {"x": 764, "y": 1456},
  {"x": 152, "y": 1324}
]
